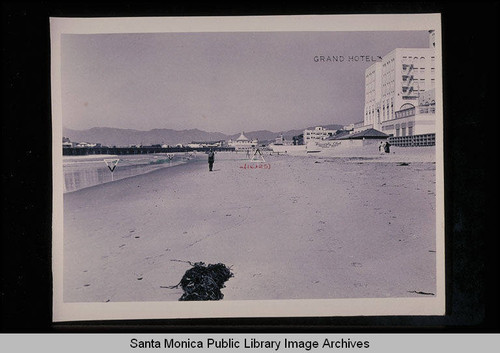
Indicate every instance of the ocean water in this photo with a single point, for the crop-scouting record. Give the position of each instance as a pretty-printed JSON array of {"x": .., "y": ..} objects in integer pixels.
[{"x": 85, "y": 171}]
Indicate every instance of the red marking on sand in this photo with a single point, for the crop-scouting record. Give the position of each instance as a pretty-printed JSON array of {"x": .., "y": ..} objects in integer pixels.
[{"x": 255, "y": 166}]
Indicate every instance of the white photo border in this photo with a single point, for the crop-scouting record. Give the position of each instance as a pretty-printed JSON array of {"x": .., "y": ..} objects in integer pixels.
[{"x": 63, "y": 311}]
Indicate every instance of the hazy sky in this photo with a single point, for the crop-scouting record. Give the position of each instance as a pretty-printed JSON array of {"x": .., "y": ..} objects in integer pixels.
[{"x": 225, "y": 82}]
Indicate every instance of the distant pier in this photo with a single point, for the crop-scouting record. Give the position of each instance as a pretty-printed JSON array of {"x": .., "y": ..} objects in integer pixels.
[{"x": 85, "y": 151}]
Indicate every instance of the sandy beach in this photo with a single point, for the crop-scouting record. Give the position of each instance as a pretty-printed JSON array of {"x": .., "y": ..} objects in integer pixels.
[{"x": 301, "y": 227}]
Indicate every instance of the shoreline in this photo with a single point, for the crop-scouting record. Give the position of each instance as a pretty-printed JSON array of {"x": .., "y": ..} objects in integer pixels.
[{"x": 132, "y": 176}]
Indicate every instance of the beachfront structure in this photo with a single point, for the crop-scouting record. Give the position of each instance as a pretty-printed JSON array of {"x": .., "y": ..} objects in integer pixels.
[
  {"x": 202, "y": 144},
  {"x": 67, "y": 143},
  {"x": 348, "y": 127},
  {"x": 86, "y": 144},
  {"x": 362, "y": 138},
  {"x": 280, "y": 140},
  {"x": 243, "y": 143},
  {"x": 319, "y": 133},
  {"x": 360, "y": 126},
  {"x": 393, "y": 88},
  {"x": 414, "y": 125}
]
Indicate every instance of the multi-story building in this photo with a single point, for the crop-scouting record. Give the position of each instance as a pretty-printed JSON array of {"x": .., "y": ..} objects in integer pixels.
[
  {"x": 319, "y": 133},
  {"x": 394, "y": 87},
  {"x": 373, "y": 90}
]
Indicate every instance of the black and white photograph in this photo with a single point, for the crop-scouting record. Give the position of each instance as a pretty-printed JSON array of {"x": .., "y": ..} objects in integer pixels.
[{"x": 247, "y": 166}]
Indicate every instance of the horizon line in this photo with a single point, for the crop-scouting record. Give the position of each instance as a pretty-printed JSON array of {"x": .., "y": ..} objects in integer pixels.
[{"x": 219, "y": 132}]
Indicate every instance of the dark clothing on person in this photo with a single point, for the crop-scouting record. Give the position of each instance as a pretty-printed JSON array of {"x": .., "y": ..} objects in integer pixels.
[
  {"x": 387, "y": 146},
  {"x": 211, "y": 160}
]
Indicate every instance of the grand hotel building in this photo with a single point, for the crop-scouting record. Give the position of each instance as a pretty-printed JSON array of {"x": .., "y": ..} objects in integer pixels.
[{"x": 399, "y": 95}]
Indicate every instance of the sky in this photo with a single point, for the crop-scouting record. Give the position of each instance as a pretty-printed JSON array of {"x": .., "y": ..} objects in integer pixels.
[{"x": 221, "y": 81}]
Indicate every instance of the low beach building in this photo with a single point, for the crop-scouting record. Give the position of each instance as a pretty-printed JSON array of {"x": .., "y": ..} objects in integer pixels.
[
  {"x": 202, "y": 144},
  {"x": 86, "y": 145},
  {"x": 363, "y": 138}
]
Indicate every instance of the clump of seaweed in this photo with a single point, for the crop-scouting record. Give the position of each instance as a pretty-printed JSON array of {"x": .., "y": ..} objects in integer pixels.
[{"x": 204, "y": 282}]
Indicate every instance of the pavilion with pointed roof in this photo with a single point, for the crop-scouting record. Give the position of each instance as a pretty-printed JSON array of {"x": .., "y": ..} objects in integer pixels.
[
  {"x": 242, "y": 137},
  {"x": 243, "y": 143}
]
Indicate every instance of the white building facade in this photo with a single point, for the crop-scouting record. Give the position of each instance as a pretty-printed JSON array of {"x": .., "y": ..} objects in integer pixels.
[
  {"x": 394, "y": 87},
  {"x": 317, "y": 134}
]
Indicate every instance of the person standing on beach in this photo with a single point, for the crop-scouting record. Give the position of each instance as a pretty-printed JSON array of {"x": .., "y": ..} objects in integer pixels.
[
  {"x": 211, "y": 160},
  {"x": 387, "y": 147}
]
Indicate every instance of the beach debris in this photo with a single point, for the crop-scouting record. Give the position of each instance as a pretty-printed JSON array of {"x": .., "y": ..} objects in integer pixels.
[
  {"x": 403, "y": 164},
  {"x": 203, "y": 282}
]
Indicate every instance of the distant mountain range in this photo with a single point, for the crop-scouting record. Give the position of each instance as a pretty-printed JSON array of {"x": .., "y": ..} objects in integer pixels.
[{"x": 124, "y": 137}]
